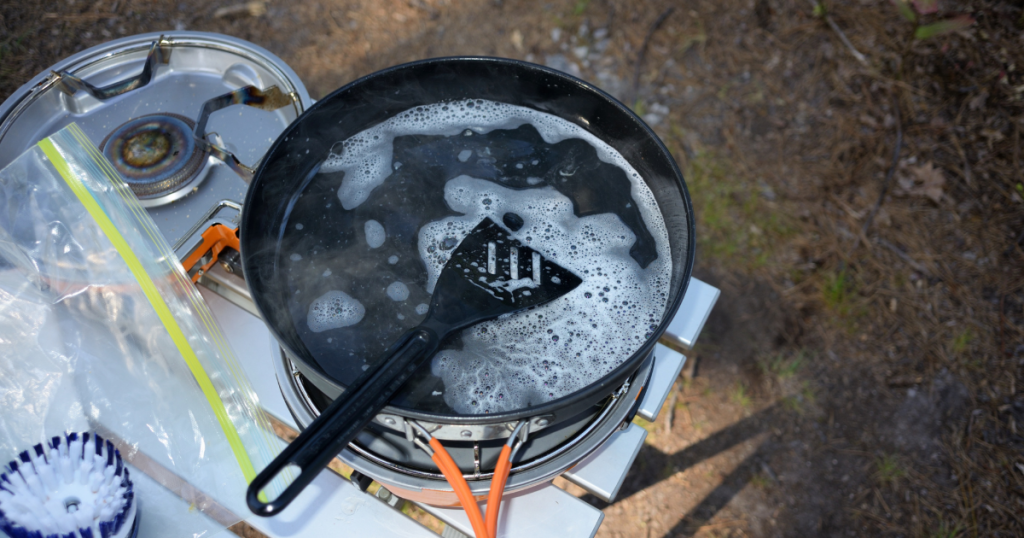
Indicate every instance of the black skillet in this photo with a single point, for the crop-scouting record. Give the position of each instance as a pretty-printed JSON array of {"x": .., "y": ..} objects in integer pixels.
[{"x": 288, "y": 184}]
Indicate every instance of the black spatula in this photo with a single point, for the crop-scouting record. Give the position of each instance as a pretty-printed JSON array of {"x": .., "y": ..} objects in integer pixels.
[{"x": 488, "y": 275}]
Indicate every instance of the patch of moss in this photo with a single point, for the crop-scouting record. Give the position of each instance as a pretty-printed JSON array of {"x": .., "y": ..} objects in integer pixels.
[
  {"x": 888, "y": 469},
  {"x": 735, "y": 223},
  {"x": 740, "y": 396}
]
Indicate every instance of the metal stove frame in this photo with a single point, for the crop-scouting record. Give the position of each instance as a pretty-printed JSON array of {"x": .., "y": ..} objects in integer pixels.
[{"x": 538, "y": 511}]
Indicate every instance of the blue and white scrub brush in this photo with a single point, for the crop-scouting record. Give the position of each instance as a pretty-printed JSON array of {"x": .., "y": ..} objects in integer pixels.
[{"x": 77, "y": 487}]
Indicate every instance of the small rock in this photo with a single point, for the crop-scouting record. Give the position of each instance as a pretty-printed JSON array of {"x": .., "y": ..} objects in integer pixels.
[
  {"x": 561, "y": 63},
  {"x": 610, "y": 82},
  {"x": 517, "y": 40},
  {"x": 656, "y": 114}
]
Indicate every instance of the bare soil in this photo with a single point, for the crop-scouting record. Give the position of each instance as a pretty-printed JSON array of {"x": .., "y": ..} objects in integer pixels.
[{"x": 861, "y": 372}]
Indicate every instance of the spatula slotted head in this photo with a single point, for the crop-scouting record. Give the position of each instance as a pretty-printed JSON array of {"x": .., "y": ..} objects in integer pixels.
[{"x": 491, "y": 274}]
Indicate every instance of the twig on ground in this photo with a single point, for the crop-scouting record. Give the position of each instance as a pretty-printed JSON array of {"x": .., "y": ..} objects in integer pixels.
[
  {"x": 963, "y": 157},
  {"x": 671, "y": 411},
  {"x": 420, "y": 4},
  {"x": 721, "y": 524},
  {"x": 80, "y": 17},
  {"x": 690, "y": 368},
  {"x": 884, "y": 504},
  {"x": 689, "y": 415},
  {"x": 886, "y": 525},
  {"x": 250, "y": 9},
  {"x": 910, "y": 261},
  {"x": 888, "y": 178},
  {"x": 643, "y": 52},
  {"x": 839, "y": 31}
]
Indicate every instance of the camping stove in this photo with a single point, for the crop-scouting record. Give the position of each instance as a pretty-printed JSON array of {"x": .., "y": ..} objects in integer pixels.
[{"x": 185, "y": 118}]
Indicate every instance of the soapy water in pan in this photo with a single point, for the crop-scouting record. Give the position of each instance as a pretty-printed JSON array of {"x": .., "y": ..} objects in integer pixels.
[
  {"x": 411, "y": 188},
  {"x": 556, "y": 349}
]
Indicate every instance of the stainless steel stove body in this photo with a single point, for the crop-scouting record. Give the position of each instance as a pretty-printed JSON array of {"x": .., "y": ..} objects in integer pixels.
[
  {"x": 334, "y": 506},
  {"x": 183, "y": 116},
  {"x": 545, "y": 454}
]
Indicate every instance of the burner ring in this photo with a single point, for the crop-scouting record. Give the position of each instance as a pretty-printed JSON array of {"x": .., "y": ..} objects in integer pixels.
[{"x": 155, "y": 154}]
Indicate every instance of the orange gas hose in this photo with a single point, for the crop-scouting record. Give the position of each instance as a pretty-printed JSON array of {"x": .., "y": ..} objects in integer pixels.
[
  {"x": 498, "y": 489},
  {"x": 451, "y": 471}
]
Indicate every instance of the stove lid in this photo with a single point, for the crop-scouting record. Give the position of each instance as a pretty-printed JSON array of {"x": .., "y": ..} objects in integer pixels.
[{"x": 139, "y": 97}]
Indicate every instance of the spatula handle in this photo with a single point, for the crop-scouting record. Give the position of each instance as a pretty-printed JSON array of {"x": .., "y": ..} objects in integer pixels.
[{"x": 339, "y": 424}]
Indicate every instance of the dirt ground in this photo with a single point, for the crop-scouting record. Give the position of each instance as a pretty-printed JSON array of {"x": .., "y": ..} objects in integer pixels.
[{"x": 860, "y": 374}]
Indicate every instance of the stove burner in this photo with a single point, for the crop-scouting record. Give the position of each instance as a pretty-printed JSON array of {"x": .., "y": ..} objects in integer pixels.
[{"x": 155, "y": 154}]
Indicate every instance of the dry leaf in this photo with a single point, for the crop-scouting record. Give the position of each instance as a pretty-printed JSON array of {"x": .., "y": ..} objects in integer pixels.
[
  {"x": 906, "y": 184},
  {"x": 930, "y": 179},
  {"x": 866, "y": 119}
]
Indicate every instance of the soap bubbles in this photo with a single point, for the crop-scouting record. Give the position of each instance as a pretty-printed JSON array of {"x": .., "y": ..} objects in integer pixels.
[
  {"x": 333, "y": 310},
  {"x": 535, "y": 356}
]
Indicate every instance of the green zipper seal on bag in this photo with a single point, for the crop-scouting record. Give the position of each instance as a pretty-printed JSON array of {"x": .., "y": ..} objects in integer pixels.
[{"x": 158, "y": 303}]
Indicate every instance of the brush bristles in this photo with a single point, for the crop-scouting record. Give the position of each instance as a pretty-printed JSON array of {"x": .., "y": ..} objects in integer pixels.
[{"x": 76, "y": 487}]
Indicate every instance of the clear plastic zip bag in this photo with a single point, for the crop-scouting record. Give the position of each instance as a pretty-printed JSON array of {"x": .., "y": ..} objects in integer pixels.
[{"x": 101, "y": 330}]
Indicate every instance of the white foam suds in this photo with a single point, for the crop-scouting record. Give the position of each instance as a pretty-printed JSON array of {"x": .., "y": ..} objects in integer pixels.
[
  {"x": 333, "y": 310},
  {"x": 375, "y": 234},
  {"x": 538, "y": 355},
  {"x": 398, "y": 291},
  {"x": 295, "y": 257},
  {"x": 535, "y": 356},
  {"x": 365, "y": 158},
  {"x": 422, "y": 308},
  {"x": 393, "y": 260},
  {"x": 298, "y": 226},
  {"x": 327, "y": 272}
]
